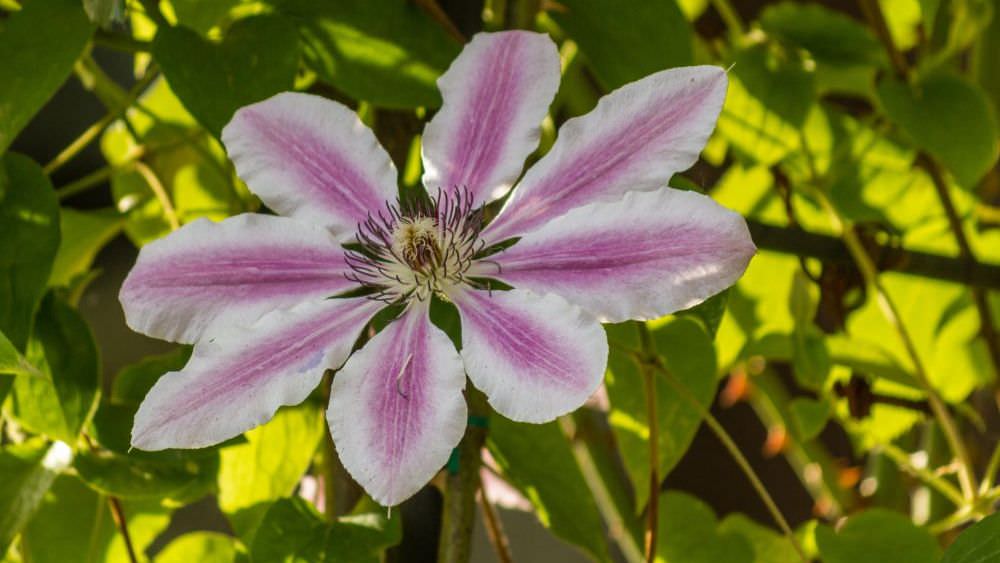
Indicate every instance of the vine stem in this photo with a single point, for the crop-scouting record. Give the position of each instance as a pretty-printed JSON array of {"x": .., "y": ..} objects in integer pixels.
[
  {"x": 99, "y": 126},
  {"x": 870, "y": 274},
  {"x": 927, "y": 477},
  {"x": 119, "y": 516},
  {"x": 653, "y": 506},
  {"x": 494, "y": 529},
  {"x": 460, "y": 486},
  {"x": 987, "y": 326},
  {"x": 602, "y": 497},
  {"x": 734, "y": 451}
]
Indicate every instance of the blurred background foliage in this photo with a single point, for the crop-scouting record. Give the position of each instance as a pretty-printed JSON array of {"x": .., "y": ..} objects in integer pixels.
[{"x": 843, "y": 394}]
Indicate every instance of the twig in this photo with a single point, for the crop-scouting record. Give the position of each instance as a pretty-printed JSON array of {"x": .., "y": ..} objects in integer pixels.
[
  {"x": 121, "y": 42},
  {"x": 987, "y": 325},
  {"x": 460, "y": 488},
  {"x": 602, "y": 497},
  {"x": 729, "y": 17},
  {"x": 433, "y": 10},
  {"x": 98, "y": 127},
  {"x": 119, "y": 517},
  {"x": 653, "y": 505},
  {"x": 494, "y": 529},
  {"x": 832, "y": 249},
  {"x": 735, "y": 453},
  {"x": 927, "y": 477},
  {"x": 873, "y": 13},
  {"x": 870, "y": 274},
  {"x": 160, "y": 192}
]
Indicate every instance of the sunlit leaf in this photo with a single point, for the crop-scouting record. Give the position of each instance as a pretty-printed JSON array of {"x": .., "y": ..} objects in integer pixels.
[
  {"x": 38, "y": 45},
  {"x": 271, "y": 462},
  {"x": 624, "y": 44},
  {"x": 256, "y": 59},
  {"x": 12, "y": 362},
  {"x": 537, "y": 459},
  {"x": 387, "y": 52},
  {"x": 204, "y": 547},
  {"x": 809, "y": 416},
  {"x": 84, "y": 233}
]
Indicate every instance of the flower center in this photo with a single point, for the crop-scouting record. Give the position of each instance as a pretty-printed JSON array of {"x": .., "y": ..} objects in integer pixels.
[{"x": 416, "y": 250}]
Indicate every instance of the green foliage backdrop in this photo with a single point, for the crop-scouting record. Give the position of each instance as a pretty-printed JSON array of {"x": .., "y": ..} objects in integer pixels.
[{"x": 859, "y": 139}]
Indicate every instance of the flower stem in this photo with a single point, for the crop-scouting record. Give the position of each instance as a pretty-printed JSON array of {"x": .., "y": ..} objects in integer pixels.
[
  {"x": 494, "y": 529},
  {"x": 602, "y": 497},
  {"x": 987, "y": 326},
  {"x": 160, "y": 192},
  {"x": 653, "y": 506},
  {"x": 870, "y": 274},
  {"x": 119, "y": 516},
  {"x": 927, "y": 477},
  {"x": 460, "y": 487},
  {"x": 737, "y": 455}
]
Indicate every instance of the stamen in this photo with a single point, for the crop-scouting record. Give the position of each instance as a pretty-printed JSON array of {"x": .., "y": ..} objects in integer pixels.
[
  {"x": 418, "y": 247},
  {"x": 399, "y": 376}
]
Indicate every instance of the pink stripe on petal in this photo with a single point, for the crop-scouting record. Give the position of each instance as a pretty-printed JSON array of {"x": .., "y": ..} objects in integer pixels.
[
  {"x": 239, "y": 379},
  {"x": 535, "y": 356},
  {"x": 496, "y": 94},
  {"x": 311, "y": 158},
  {"x": 645, "y": 256},
  {"x": 397, "y": 409},
  {"x": 635, "y": 139},
  {"x": 207, "y": 274}
]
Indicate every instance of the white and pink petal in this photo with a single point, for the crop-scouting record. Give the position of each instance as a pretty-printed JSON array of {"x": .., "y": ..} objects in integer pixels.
[
  {"x": 496, "y": 94},
  {"x": 397, "y": 408},
  {"x": 535, "y": 356},
  {"x": 311, "y": 158},
  {"x": 238, "y": 379},
  {"x": 636, "y": 138},
  {"x": 207, "y": 274},
  {"x": 642, "y": 257}
]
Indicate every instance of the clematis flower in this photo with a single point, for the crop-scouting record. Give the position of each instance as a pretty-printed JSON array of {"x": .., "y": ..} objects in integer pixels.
[{"x": 272, "y": 302}]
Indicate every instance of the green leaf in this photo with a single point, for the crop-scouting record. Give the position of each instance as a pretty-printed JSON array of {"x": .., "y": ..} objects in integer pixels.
[
  {"x": 203, "y": 547},
  {"x": 387, "y": 52},
  {"x": 84, "y": 233},
  {"x": 29, "y": 237},
  {"x": 624, "y": 44},
  {"x": 12, "y": 362},
  {"x": 174, "y": 477},
  {"x": 688, "y": 533},
  {"x": 810, "y": 356},
  {"x": 768, "y": 545},
  {"x": 105, "y": 12},
  {"x": 876, "y": 536},
  {"x": 978, "y": 544},
  {"x": 38, "y": 46},
  {"x": 770, "y": 92},
  {"x": 710, "y": 312},
  {"x": 28, "y": 470},
  {"x": 809, "y": 416},
  {"x": 830, "y": 36},
  {"x": 75, "y": 524},
  {"x": 257, "y": 58},
  {"x": 293, "y": 532},
  {"x": 134, "y": 381},
  {"x": 273, "y": 459},
  {"x": 687, "y": 352},
  {"x": 537, "y": 459},
  {"x": 63, "y": 348},
  {"x": 961, "y": 129}
]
